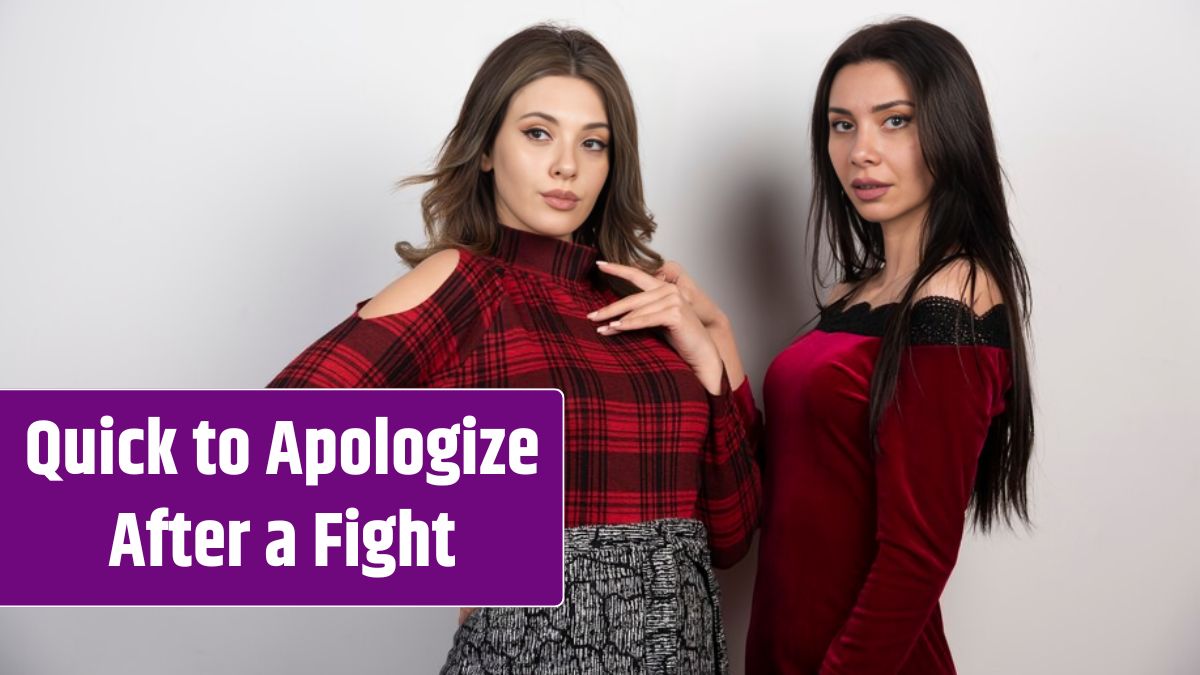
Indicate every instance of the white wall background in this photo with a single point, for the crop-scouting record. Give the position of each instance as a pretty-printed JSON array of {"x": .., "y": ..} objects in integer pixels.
[{"x": 190, "y": 192}]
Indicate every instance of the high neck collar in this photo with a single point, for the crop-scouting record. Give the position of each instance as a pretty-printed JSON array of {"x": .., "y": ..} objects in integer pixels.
[{"x": 548, "y": 255}]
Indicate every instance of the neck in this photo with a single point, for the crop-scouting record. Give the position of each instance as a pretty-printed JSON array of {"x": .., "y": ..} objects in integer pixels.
[{"x": 902, "y": 248}]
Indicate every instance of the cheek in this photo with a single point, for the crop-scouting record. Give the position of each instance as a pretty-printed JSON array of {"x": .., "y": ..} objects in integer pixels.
[
  {"x": 839, "y": 147},
  {"x": 916, "y": 168},
  {"x": 602, "y": 171},
  {"x": 512, "y": 166},
  {"x": 597, "y": 174},
  {"x": 839, "y": 157}
]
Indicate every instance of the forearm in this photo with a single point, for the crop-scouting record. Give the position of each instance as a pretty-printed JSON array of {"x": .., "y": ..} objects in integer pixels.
[
  {"x": 710, "y": 370},
  {"x": 730, "y": 498},
  {"x": 721, "y": 333}
]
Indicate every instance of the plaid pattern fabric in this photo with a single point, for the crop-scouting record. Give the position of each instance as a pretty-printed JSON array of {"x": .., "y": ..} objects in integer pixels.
[{"x": 644, "y": 440}]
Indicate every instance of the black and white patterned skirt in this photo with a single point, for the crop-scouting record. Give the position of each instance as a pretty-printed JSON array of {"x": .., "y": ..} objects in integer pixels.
[{"x": 640, "y": 598}]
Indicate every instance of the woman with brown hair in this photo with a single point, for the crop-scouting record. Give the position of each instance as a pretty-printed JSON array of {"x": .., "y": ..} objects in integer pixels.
[{"x": 537, "y": 233}]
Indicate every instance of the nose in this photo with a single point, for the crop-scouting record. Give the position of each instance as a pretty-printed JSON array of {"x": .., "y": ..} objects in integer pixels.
[
  {"x": 565, "y": 164},
  {"x": 866, "y": 148}
]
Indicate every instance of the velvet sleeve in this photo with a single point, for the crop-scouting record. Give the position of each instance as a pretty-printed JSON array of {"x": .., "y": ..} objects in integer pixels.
[
  {"x": 930, "y": 439},
  {"x": 730, "y": 485},
  {"x": 405, "y": 349}
]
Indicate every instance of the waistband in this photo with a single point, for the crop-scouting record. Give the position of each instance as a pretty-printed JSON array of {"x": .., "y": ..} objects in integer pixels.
[{"x": 677, "y": 531}]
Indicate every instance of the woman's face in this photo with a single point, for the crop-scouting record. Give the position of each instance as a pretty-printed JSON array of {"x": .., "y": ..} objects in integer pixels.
[
  {"x": 550, "y": 156},
  {"x": 874, "y": 145}
]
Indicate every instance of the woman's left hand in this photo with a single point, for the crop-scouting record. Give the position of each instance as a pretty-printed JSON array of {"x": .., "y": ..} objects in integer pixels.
[
  {"x": 662, "y": 305},
  {"x": 673, "y": 273}
]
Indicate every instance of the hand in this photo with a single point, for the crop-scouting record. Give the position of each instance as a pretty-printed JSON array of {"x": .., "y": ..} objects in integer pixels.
[
  {"x": 464, "y": 612},
  {"x": 707, "y": 310},
  {"x": 719, "y": 328},
  {"x": 661, "y": 305}
]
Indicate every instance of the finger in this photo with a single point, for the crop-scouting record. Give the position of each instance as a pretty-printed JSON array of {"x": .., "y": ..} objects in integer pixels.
[
  {"x": 633, "y": 275},
  {"x": 669, "y": 272},
  {"x": 666, "y": 318},
  {"x": 630, "y": 303},
  {"x": 661, "y": 305},
  {"x": 669, "y": 313}
]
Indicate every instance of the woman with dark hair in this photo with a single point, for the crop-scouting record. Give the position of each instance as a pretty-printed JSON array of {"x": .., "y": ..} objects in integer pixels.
[
  {"x": 909, "y": 402},
  {"x": 537, "y": 183}
]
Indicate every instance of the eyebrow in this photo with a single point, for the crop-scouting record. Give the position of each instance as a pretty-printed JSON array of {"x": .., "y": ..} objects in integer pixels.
[
  {"x": 551, "y": 119},
  {"x": 878, "y": 108}
]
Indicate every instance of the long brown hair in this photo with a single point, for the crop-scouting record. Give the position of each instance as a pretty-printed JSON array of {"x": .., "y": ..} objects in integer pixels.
[
  {"x": 967, "y": 218},
  {"x": 460, "y": 210}
]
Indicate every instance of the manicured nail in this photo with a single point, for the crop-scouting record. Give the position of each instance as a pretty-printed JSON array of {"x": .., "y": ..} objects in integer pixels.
[
  {"x": 601, "y": 262},
  {"x": 591, "y": 315}
]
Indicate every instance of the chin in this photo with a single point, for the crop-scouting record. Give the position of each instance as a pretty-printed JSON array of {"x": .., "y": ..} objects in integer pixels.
[
  {"x": 554, "y": 227},
  {"x": 876, "y": 213}
]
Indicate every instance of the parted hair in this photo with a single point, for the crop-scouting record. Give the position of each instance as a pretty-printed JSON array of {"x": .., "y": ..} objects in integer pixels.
[{"x": 459, "y": 208}]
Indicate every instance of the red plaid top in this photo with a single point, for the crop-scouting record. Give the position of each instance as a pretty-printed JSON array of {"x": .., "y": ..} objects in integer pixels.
[{"x": 644, "y": 439}]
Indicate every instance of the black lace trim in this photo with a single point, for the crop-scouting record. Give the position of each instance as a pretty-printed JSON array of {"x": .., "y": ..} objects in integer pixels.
[{"x": 935, "y": 320}]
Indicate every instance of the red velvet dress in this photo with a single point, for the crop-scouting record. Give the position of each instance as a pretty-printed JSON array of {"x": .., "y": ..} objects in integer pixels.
[{"x": 856, "y": 547}]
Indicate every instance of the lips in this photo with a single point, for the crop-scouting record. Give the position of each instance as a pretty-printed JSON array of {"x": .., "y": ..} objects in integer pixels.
[
  {"x": 561, "y": 200},
  {"x": 867, "y": 189}
]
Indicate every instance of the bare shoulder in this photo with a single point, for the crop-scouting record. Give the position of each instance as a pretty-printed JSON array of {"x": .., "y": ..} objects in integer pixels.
[
  {"x": 413, "y": 288},
  {"x": 954, "y": 281},
  {"x": 838, "y": 292}
]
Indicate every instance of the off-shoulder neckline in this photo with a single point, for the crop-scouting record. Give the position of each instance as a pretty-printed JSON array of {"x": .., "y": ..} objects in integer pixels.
[
  {"x": 935, "y": 320},
  {"x": 838, "y": 306}
]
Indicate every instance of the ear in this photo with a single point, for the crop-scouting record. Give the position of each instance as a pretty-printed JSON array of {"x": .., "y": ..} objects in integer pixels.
[{"x": 485, "y": 163}]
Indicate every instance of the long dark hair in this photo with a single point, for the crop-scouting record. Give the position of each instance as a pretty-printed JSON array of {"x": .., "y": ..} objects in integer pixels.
[
  {"x": 460, "y": 207},
  {"x": 967, "y": 218}
]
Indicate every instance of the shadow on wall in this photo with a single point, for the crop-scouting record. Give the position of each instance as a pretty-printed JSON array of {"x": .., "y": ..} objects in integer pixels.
[
  {"x": 766, "y": 246},
  {"x": 762, "y": 240}
]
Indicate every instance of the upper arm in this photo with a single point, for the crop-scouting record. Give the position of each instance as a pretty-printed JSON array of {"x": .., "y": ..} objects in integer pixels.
[
  {"x": 401, "y": 337},
  {"x": 413, "y": 288},
  {"x": 930, "y": 439},
  {"x": 954, "y": 281}
]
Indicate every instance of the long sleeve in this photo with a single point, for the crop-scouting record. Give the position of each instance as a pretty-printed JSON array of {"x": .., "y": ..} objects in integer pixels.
[
  {"x": 730, "y": 496},
  {"x": 930, "y": 440},
  {"x": 405, "y": 349}
]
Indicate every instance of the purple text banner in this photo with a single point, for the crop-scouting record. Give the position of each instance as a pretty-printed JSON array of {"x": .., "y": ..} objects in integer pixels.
[{"x": 281, "y": 497}]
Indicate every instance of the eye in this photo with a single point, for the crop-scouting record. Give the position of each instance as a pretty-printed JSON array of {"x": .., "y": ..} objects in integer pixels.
[
  {"x": 841, "y": 126},
  {"x": 537, "y": 134},
  {"x": 897, "y": 121},
  {"x": 595, "y": 144}
]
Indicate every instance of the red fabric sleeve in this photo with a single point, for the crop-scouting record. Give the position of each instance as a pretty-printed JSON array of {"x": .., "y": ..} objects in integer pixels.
[
  {"x": 404, "y": 349},
  {"x": 930, "y": 440},
  {"x": 730, "y": 499}
]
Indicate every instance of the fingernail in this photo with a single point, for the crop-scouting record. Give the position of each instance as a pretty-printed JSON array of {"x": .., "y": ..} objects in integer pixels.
[
  {"x": 601, "y": 262},
  {"x": 591, "y": 315}
]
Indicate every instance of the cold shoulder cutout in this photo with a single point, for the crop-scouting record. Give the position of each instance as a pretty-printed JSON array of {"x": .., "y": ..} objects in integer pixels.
[{"x": 414, "y": 288}]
